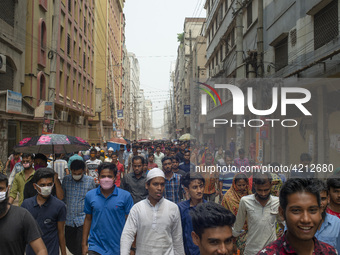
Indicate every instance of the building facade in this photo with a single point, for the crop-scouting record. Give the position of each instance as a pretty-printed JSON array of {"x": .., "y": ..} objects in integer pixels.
[
  {"x": 16, "y": 120},
  {"x": 293, "y": 39}
]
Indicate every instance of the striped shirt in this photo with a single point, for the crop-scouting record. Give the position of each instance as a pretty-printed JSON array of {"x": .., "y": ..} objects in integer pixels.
[
  {"x": 173, "y": 188},
  {"x": 74, "y": 198},
  {"x": 59, "y": 166}
]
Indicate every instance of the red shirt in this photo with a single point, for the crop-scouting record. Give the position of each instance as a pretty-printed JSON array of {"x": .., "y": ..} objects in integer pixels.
[
  {"x": 152, "y": 165},
  {"x": 120, "y": 169},
  {"x": 282, "y": 247},
  {"x": 332, "y": 212}
]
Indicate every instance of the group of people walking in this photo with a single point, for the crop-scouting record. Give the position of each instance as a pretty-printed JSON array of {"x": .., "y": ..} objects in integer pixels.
[{"x": 158, "y": 199}]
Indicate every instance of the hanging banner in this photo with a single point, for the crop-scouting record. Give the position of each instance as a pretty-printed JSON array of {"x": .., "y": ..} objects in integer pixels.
[
  {"x": 14, "y": 102},
  {"x": 48, "y": 126}
]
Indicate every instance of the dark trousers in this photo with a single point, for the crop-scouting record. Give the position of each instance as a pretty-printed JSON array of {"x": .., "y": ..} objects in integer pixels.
[{"x": 73, "y": 236}]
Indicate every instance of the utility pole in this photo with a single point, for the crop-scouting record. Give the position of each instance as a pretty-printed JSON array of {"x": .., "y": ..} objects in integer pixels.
[
  {"x": 54, "y": 50},
  {"x": 260, "y": 74},
  {"x": 239, "y": 71},
  {"x": 189, "y": 80}
]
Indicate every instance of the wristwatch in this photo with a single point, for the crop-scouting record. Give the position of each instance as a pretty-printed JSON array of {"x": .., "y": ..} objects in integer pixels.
[{"x": 133, "y": 248}]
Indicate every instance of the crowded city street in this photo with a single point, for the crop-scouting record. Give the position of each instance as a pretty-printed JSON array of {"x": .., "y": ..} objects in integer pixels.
[{"x": 169, "y": 127}]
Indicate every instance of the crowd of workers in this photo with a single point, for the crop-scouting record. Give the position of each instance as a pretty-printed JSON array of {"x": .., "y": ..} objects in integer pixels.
[{"x": 159, "y": 198}]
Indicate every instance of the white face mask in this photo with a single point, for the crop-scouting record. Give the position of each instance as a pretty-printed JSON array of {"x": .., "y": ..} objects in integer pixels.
[
  {"x": 45, "y": 191},
  {"x": 139, "y": 151},
  {"x": 77, "y": 177},
  {"x": 3, "y": 195}
]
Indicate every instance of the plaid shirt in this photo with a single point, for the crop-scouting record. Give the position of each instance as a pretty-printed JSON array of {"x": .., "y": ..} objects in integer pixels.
[
  {"x": 282, "y": 247},
  {"x": 74, "y": 198},
  {"x": 173, "y": 188}
]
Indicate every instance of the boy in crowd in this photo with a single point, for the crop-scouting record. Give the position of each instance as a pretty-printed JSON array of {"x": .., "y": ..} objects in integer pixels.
[
  {"x": 48, "y": 211},
  {"x": 193, "y": 184},
  {"x": 212, "y": 229},
  {"x": 300, "y": 208}
]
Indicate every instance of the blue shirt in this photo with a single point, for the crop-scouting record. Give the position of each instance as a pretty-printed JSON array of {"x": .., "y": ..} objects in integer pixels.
[
  {"x": 227, "y": 181},
  {"x": 74, "y": 197},
  {"x": 189, "y": 246},
  {"x": 190, "y": 167},
  {"x": 47, "y": 216},
  {"x": 330, "y": 231},
  {"x": 108, "y": 219}
]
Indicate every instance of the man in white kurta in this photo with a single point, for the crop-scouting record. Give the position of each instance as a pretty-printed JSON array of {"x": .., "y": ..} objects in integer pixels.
[{"x": 155, "y": 220}]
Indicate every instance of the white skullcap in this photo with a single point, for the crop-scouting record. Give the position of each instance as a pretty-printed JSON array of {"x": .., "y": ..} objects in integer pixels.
[
  {"x": 153, "y": 173},
  {"x": 110, "y": 149},
  {"x": 97, "y": 148}
]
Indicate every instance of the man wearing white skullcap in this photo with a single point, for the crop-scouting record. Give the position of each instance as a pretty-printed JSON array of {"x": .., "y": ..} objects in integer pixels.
[{"x": 155, "y": 220}]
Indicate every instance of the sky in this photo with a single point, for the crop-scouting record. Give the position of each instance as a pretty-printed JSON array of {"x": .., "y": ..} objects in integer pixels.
[{"x": 151, "y": 34}]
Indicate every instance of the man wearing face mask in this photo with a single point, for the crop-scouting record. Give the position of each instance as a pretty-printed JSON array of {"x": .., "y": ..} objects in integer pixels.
[
  {"x": 48, "y": 211},
  {"x": 21, "y": 179},
  {"x": 40, "y": 161},
  {"x": 106, "y": 209},
  {"x": 75, "y": 187},
  {"x": 17, "y": 226}
]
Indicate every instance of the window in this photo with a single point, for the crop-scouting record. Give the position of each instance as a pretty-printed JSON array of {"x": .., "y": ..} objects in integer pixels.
[
  {"x": 221, "y": 54},
  {"x": 68, "y": 44},
  {"x": 41, "y": 86},
  {"x": 281, "y": 54},
  {"x": 84, "y": 60},
  {"x": 42, "y": 43},
  {"x": 226, "y": 6},
  {"x": 84, "y": 26},
  {"x": 69, "y": 5},
  {"x": 249, "y": 14},
  {"x": 326, "y": 25}
]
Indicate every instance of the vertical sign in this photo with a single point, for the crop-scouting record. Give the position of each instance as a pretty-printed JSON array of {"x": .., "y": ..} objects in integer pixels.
[
  {"x": 120, "y": 114},
  {"x": 186, "y": 109},
  {"x": 14, "y": 102}
]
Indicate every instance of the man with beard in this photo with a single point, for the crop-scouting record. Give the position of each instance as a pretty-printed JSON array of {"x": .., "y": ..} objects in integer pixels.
[
  {"x": 135, "y": 182},
  {"x": 173, "y": 187},
  {"x": 186, "y": 165},
  {"x": 21, "y": 179},
  {"x": 333, "y": 184},
  {"x": 212, "y": 229},
  {"x": 261, "y": 212},
  {"x": 155, "y": 220},
  {"x": 48, "y": 211},
  {"x": 193, "y": 184},
  {"x": 329, "y": 229},
  {"x": 300, "y": 208},
  {"x": 75, "y": 187},
  {"x": 17, "y": 226}
]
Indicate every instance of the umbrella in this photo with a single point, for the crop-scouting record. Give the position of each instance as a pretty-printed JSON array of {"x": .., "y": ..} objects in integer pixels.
[
  {"x": 186, "y": 137},
  {"x": 117, "y": 140},
  {"x": 143, "y": 141},
  {"x": 51, "y": 143}
]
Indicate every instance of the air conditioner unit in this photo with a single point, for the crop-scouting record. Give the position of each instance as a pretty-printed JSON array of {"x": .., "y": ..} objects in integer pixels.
[
  {"x": 63, "y": 116},
  {"x": 2, "y": 63},
  {"x": 80, "y": 120}
]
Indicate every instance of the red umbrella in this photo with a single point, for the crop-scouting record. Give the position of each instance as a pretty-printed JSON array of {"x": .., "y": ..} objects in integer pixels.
[
  {"x": 117, "y": 140},
  {"x": 52, "y": 143},
  {"x": 143, "y": 141}
]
